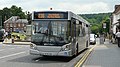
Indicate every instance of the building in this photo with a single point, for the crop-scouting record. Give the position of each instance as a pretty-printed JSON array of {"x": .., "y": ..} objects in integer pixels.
[
  {"x": 15, "y": 24},
  {"x": 114, "y": 21},
  {"x": 116, "y": 17}
]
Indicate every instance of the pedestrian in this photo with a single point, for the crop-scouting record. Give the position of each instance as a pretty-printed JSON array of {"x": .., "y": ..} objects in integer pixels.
[
  {"x": 118, "y": 37},
  {"x": 5, "y": 34}
]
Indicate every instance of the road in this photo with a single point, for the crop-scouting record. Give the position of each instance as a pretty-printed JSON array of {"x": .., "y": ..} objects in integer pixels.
[
  {"x": 18, "y": 56},
  {"x": 104, "y": 55}
]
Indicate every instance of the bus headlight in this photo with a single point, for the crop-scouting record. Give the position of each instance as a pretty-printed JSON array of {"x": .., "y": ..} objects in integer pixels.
[
  {"x": 65, "y": 48},
  {"x": 32, "y": 46}
]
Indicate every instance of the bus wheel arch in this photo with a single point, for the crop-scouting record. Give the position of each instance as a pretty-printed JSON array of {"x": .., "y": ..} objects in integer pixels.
[
  {"x": 87, "y": 44},
  {"x": 77, "y": 49}
]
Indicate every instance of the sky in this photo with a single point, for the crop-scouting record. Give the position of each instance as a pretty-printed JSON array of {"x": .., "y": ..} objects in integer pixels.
[{"x": 76, "y": 6}]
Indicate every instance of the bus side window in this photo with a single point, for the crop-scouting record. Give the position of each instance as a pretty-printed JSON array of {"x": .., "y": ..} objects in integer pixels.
[
  {"x": 80, "y": 32},
  {"x": 83, "y": 31},
  {"x": 77, "y": 30}
]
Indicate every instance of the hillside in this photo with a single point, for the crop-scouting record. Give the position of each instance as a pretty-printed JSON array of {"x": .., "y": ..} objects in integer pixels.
[
  {"x": 96, "y": 21},
  {"x": 95, "y": 18}
]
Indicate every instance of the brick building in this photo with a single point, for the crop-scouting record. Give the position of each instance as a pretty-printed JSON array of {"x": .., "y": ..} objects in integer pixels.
[{"x": 15, "y": 24}]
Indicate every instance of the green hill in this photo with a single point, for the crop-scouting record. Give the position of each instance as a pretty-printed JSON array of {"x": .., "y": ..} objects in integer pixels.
[
  {"x": 95, "y": 18},
  {"x": 96, "y": 21}
]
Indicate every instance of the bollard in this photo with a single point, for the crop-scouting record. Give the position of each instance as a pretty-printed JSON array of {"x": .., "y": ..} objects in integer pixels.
[
  {"x": 6, "y": 40},
  {"x": 12, "y": 40},
  {"x": 101, "y": 39}
]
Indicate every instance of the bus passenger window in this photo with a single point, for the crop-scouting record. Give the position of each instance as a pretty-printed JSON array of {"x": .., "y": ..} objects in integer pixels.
[
  {"x": 80, "y": 33},
  {"x": 83, "y": 31}
]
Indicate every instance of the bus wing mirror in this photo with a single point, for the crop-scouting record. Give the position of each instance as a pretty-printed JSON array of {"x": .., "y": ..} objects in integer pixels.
[
  {"x": 77, "y": 22},
  {"x": 73, "y": 21}
]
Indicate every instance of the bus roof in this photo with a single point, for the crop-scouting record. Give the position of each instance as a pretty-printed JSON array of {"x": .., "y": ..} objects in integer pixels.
[{"x": 70, "y": 14}]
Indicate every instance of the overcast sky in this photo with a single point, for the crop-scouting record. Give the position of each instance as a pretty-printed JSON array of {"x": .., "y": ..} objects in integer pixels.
[{"x": 76, "y": 6}]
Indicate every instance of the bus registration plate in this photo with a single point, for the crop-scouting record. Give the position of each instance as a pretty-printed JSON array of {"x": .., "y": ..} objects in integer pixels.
[{"x": 46, "y": 53}]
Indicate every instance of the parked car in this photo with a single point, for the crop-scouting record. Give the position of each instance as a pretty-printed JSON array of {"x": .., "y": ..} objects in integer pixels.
[{"x": 92, "y": 39}]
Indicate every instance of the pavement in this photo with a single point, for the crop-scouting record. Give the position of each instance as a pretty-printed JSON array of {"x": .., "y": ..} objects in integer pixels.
[
  {"x": 104, "y": 55},
  {"x": 9, "y": 41}
]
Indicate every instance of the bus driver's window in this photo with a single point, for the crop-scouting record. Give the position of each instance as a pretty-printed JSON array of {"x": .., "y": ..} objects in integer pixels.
[{"x": 43, "y": 30}]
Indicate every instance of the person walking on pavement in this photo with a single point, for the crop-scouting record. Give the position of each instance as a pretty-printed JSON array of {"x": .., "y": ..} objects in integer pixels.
[{"x": 118, "y": 37}]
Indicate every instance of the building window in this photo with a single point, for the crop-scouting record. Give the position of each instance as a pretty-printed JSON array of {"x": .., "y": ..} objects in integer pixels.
[
  {"x": 22, "y": 28},
  {"x": 7, "y": 25},
  {"x": 23, "y": 24},
  {"x": 11, "y": 25},
  {"x": 18, "y": 24},
  {"x": 15, "y": 24},
  {"x": 6, "y": 28},
  {"x": 14, "y": 29}
]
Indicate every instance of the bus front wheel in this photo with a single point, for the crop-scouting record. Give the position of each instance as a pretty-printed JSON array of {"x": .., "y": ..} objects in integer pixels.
[
  {"x": 77, "y": 49},
  {"x": 87, "y": 44}
]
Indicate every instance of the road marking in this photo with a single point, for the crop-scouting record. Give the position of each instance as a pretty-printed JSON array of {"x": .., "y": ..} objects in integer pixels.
[
  {"x": 12, "y": 55},
  {"x": 7, "y": 49},
  {"x": 2, "y": 49},
  {"x": 11, "y": 48},
  {"x": 82, "y": 60}
]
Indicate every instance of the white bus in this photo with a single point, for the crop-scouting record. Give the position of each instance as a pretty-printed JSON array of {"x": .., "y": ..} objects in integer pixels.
[{"x": 59, "y": 33}]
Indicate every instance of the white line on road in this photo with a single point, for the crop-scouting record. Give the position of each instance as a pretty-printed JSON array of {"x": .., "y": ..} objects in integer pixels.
[
  {"x": 13, "y": 48},
  {"x": 9, "y": 48},
  {"x": 12, "y": 55},
  {"x": 2, "y": 49}
]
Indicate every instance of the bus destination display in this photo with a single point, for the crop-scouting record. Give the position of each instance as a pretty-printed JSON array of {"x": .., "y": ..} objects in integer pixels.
[{"x": 50, "y": 15}]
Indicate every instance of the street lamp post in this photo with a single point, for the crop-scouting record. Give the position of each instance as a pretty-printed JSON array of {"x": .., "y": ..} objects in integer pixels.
[
  {"x": 104, "y": 27},
  {"x": 29, "y": 18},
  {"x": 102, "y": 36},
  {"x": 1, "y": 21}
]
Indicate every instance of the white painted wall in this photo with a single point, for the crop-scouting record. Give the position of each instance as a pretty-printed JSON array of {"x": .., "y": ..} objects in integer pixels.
[{"x": 115, "y": 18}]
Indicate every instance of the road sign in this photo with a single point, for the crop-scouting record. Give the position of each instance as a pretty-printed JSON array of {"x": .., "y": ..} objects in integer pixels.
[{"x": 104, "y": 25}]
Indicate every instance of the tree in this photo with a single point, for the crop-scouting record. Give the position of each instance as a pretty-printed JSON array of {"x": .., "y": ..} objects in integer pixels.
[
  {"x": 107, "y": 21},
  {"x": 17, "y": 11},
  {"x": 6, "y": 13},
  {"x": 95, "y": 28},
  {"x": 96, "y": 21}
]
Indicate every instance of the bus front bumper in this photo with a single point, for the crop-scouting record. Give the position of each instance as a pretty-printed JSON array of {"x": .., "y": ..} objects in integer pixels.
[{"x": 61, "y": 53}]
